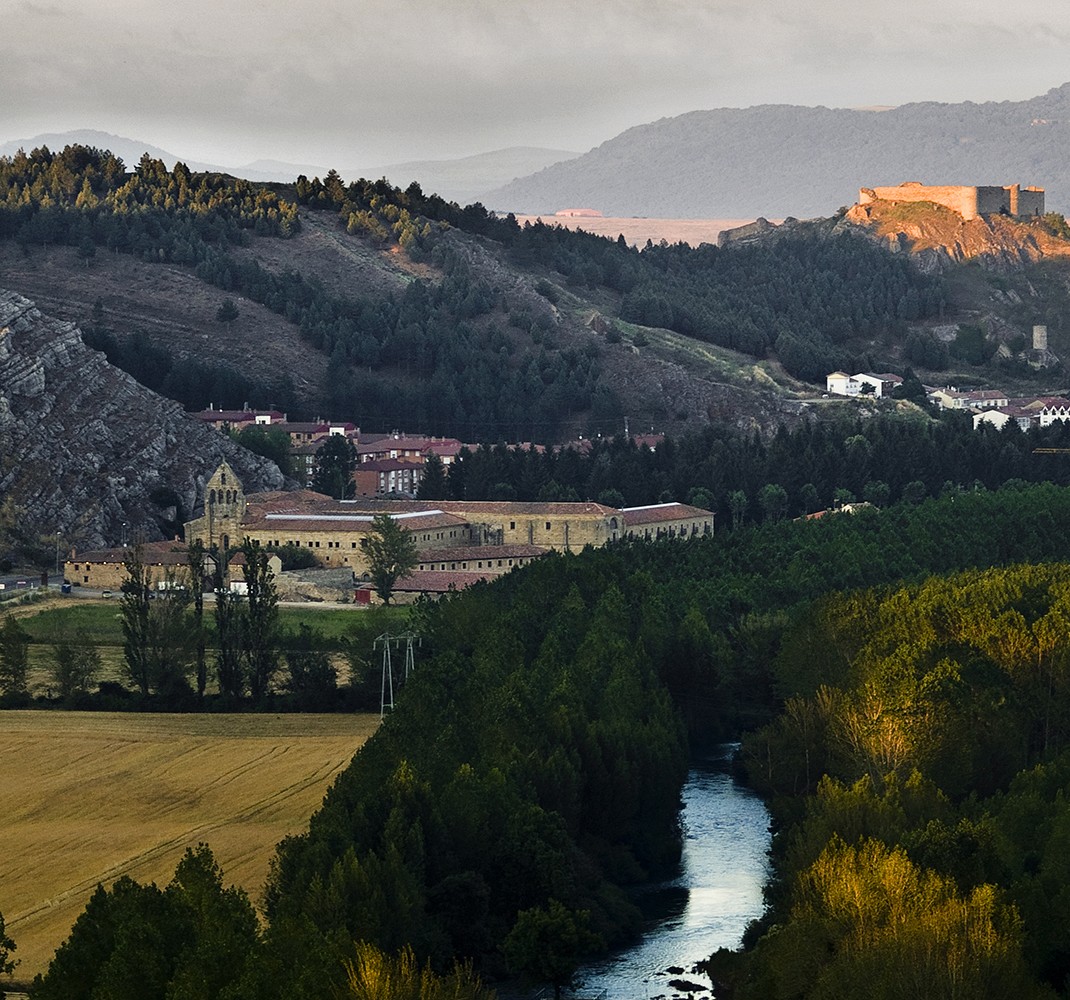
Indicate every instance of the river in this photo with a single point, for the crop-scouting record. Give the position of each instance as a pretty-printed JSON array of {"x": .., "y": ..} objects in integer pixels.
[{"x": 716, "y": 893}]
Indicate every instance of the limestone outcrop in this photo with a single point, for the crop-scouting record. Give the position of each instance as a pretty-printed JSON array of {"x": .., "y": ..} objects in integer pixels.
[{"x": 85, "y": 449}]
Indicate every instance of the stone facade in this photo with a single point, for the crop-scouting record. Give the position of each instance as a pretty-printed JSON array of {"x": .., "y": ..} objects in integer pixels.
[
  {"x": 667, "y": 520},
  {"x": 494, "y": 535},
  {"x": 105, "y": 569},
  {"x": 969, "y": 202},
  {"x": 224, "y": 510},
  {"x": 567, "y": 527}
]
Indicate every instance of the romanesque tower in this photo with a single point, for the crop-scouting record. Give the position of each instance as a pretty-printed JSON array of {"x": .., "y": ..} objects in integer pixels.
[{"x": 224, "y": 508}]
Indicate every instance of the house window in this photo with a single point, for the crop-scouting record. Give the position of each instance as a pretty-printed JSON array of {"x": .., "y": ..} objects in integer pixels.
[
  {"x": 547, "y": 525},
  {"x": 512, "y": 525}
]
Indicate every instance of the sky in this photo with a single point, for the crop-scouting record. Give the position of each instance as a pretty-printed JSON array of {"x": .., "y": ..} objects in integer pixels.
[{"x": 376, "y": 82}]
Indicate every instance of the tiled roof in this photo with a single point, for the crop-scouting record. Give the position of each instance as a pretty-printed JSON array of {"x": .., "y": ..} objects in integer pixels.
[
  {"x": 305, "y": 427},
  {"x": 658, "y": 513},
  {"x": 476, "y": 553},
  {"x": 533, "y": 509},
  {"x": 278, "y": 500},
  {"x": 226, "y": 416},
  {"x": 388, "y": 465},
  {"x": 152, "y": 554},
  {"x": 313, "y": 521},
  {"x": 438, "y": 582}
]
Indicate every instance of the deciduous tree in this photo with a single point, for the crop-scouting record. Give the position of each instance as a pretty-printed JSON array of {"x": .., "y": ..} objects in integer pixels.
[
  {"x": 335, "y": 460},
  {"x": 261, "y": 619},
  {"x": 73, "y": 667},
  {"x": 391, "y": 552},
  {"x": 134, "y": 608},
  {"x": 547, "y": 944},
  {"x": 7, "y": 946},
  {"x": 14, "y": 658}
]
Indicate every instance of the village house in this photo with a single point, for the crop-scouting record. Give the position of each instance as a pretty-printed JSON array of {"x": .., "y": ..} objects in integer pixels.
[
  {"x": 236, "y": 572},
  {"x": 105, "y": 569},
  {"x": 1003, "y": 415},
  {"x": 388, "y": 477},
  {"x": 1052, "y": 409},
  {"x": 864, "y": 383},
  {"x": 236, "y": 420}
]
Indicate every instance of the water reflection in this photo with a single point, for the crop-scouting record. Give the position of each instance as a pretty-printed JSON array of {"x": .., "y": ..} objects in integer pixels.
[{"x": 707, "y": 906}]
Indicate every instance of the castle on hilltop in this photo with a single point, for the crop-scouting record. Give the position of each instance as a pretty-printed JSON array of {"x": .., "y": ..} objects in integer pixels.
[{"x": 969, "y": 202}]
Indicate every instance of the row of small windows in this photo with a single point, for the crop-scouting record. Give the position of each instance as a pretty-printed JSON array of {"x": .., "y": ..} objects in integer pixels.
[{"x": 441, "y": 567}]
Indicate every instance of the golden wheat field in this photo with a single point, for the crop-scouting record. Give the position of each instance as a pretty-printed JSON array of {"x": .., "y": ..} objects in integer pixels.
[{"x": 87, "y": 797}]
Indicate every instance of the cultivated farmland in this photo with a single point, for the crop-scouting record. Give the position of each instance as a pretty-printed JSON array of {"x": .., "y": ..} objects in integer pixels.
[{"x": 88, "y": 797}]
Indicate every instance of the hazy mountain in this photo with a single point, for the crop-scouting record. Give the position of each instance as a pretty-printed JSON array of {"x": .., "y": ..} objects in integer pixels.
[
  {"x": 469, "y": 179},
  {"x": 780, "y": 160},
  {"x": 131, "y": 150},
  {"x": 462, "y": 180}
]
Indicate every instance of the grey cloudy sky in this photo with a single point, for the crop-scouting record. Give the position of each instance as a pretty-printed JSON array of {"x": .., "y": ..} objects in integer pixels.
[{"x": 370, "y": 82}]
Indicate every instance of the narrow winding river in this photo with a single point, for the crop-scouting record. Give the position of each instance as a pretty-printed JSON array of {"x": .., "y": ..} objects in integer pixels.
[{"x": 716, "y": 893}]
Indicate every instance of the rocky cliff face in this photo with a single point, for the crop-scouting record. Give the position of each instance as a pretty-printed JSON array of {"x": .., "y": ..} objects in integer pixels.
[
  {"x": 84, "y": 449},
  {"x": 938, "y": 237}
]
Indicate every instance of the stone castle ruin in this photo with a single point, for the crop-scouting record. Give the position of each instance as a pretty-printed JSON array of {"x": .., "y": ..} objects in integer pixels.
[{"x": 969, "y": 202}]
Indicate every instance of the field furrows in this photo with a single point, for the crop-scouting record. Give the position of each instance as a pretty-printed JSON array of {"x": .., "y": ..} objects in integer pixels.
[{"x": 93, "y": 796}]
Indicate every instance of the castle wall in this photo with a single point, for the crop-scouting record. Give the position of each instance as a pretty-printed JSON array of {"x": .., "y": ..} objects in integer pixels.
[
  {"x": 993, "y": 200},
  {"x": 959, "y": 199},
  {"x": 1031, "y": 201},
  {"x": 969, "y": 202}
]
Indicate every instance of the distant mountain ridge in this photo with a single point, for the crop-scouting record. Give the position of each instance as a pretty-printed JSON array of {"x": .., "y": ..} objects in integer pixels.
[
  {"x": 787, "y": 160},
  {"x": 463, "y": 180},
  {"x": 469, "y": 178}
]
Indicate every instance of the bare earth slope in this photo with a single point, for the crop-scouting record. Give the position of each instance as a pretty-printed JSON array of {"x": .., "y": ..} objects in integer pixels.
[
  {"x": 167, "y": 303},
  {"x": 83, "y": 447},
  {"x": 92, "y": 796}
]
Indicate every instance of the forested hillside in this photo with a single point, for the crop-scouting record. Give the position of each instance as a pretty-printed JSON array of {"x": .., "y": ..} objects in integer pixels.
[
  {"x": 483, "y": 334},
  {"x": 533, "y": 764},
  {"x": 922, "y": 760},
  {"x": 748, "y": 479},
  {"x": 784, "y": 160}
]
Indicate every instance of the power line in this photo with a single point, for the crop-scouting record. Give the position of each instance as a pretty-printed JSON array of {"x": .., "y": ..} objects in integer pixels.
[{"x": 388, "y": 641}]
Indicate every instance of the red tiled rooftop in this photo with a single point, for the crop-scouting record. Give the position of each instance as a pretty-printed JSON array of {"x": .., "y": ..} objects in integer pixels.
[
  {"x": 658, "y": 513},
  {"x": 438, "y": 582},
  {"x": 281, "y": 521},
  {"x": 477, "y": 553},
  {"x": 170, "y": 553}
]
